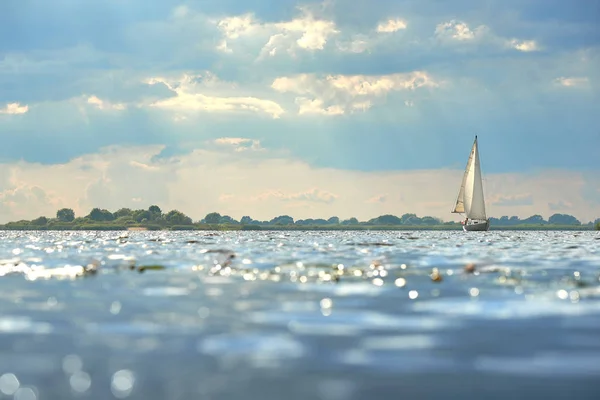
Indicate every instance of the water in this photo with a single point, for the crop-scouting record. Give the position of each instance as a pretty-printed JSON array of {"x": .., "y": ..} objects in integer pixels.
[{"x": 299, "y": 315}]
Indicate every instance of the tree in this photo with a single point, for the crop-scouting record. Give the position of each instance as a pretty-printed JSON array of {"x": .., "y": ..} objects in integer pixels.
[
  {"x": 125, "y": 219},
  {"x": 178, "y": 218},
  {"x": 140, "y": 215},
  {"x": 155, "y": 210},
  {"x": 282, "y": 220},
  {"x": 226, "y": 219},
  {"x": 534, "y": 219},
  {"x": 308, "y": 221},
  {"x": 333, "y": 220},
  {"x": 212, "y": 218},
  {"x": 246, "y": 220},
  {"x": 40, "y": 221},
  {"x": 410, "y": 219},
  {"x": 123, "y": 212},
  {"x": 386, "y": 220},
  {"x": 350, "y": 221},
  {"x": 430, "y": 221},
  {"x": 98, "y": 214},
  {"x": 563, "y": 219},
  {"x": 65, "y": 215}
]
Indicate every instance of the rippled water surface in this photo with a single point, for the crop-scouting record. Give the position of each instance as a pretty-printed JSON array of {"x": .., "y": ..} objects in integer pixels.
[{"x": 299, "y": 315}]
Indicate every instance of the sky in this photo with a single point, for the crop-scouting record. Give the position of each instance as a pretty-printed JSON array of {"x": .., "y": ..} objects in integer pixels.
[{"x": 348, "y": 108}]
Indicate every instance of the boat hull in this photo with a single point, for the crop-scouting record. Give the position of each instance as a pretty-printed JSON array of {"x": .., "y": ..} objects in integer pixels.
[{"x": 477, "y": 226}]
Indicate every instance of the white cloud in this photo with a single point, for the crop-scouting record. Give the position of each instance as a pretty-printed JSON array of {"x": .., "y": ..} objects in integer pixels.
[
  {"x": 572, "y": 81},
  {"x": 391, "y": 25},
  {"x": 338, "y": 94},
  {"x": 359, "y": 44},
  {"x": 314, "y": 32},
  {"x": 241, "y": 25},
  {"x": 458, "y": 30},
  {"x": 382, "y": 198},
  {"x": 314, "y": 195},
  {"x": 270, "y": 186},
  {"x": 105, "y": 105},
  {"x": 511, "y": 200},
  {"x": 143, "y": 166},
  {"x": 316, "y": 106},
  {"x": 14, "y": 108},
  {"x": 222, "y": 46},
  {"x": 305, "y": 32},
  {"x": 204, "y": 92},
  {"x": 37, "y": 199},
  {"x": 524, "y": 45},
  {"x": 200, "y": 102},
  {"x": 455, "y": 31},
  {"x": 239, "y": 144}
]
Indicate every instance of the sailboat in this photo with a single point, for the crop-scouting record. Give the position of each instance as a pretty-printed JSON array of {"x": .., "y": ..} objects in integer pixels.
[{"x": 470, "y": 199}]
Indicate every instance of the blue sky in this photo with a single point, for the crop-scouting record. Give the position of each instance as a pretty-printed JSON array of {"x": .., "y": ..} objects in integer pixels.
[{"x": 381, "y": 90}]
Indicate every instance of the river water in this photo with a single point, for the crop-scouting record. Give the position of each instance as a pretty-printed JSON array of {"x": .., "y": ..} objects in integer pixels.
[{"x": 299, "y": 315}]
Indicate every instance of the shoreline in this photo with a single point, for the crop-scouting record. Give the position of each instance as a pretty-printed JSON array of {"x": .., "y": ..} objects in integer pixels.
[
  {"x": 153, "y": 219},
  {"x": 206, "y": 227}
]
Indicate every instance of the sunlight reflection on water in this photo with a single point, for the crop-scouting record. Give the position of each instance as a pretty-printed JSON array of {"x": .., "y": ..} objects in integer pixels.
[{"x": 299, "y": 315}]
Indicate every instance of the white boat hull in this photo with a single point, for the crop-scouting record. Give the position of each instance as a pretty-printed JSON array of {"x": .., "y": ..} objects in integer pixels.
[{"x": 477, "y": 226}]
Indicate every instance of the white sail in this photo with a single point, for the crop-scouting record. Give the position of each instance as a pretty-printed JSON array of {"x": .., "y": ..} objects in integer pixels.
[
  {"x": 470, "y": 196},
  {"x": 459, "y": 207}
]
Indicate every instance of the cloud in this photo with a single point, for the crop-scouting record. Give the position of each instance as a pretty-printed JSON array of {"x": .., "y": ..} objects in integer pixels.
[
  {"x": 222, "y": 46},
  {"x": 524, "y": 45},
  {"x": 190, "y": 97},
  {"x": 382, "y": 198},
  {"x": 316, "y": 106},
  {"x": 515, "y": 72},
  {"x": 239, "y": 144},
  {"x": 391, "y": 25},
  {"x": 525, "y": 199},
  {"x": 104, "y": 105},
  {"x": 314, "y": 32},
  {"x": 266, "y": 187},
  {"x": 561, "y": 206},
  {"x": 13, "y": 198},
  {"x": 357, "y": 44},
  {"x": 306, "y": 32},
  {"x": 14, "y": 108},
  {"x": 455, "y": 31},
  {"x": 234, "y": 27},
  {"x": 226, "y": 197},
  {"x": 572, "y": 82},
  {"x": 339, "y": 94},
  {"x": 143, "y": 166},
  {"x": 311, "y": 195}
]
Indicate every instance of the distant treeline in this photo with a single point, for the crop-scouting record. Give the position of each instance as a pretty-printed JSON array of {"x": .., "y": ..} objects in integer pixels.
[{"x": 154, "y": 219}]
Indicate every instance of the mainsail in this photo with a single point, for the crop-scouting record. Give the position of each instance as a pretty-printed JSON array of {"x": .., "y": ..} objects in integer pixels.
[{"x": 470, "y": 196}]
